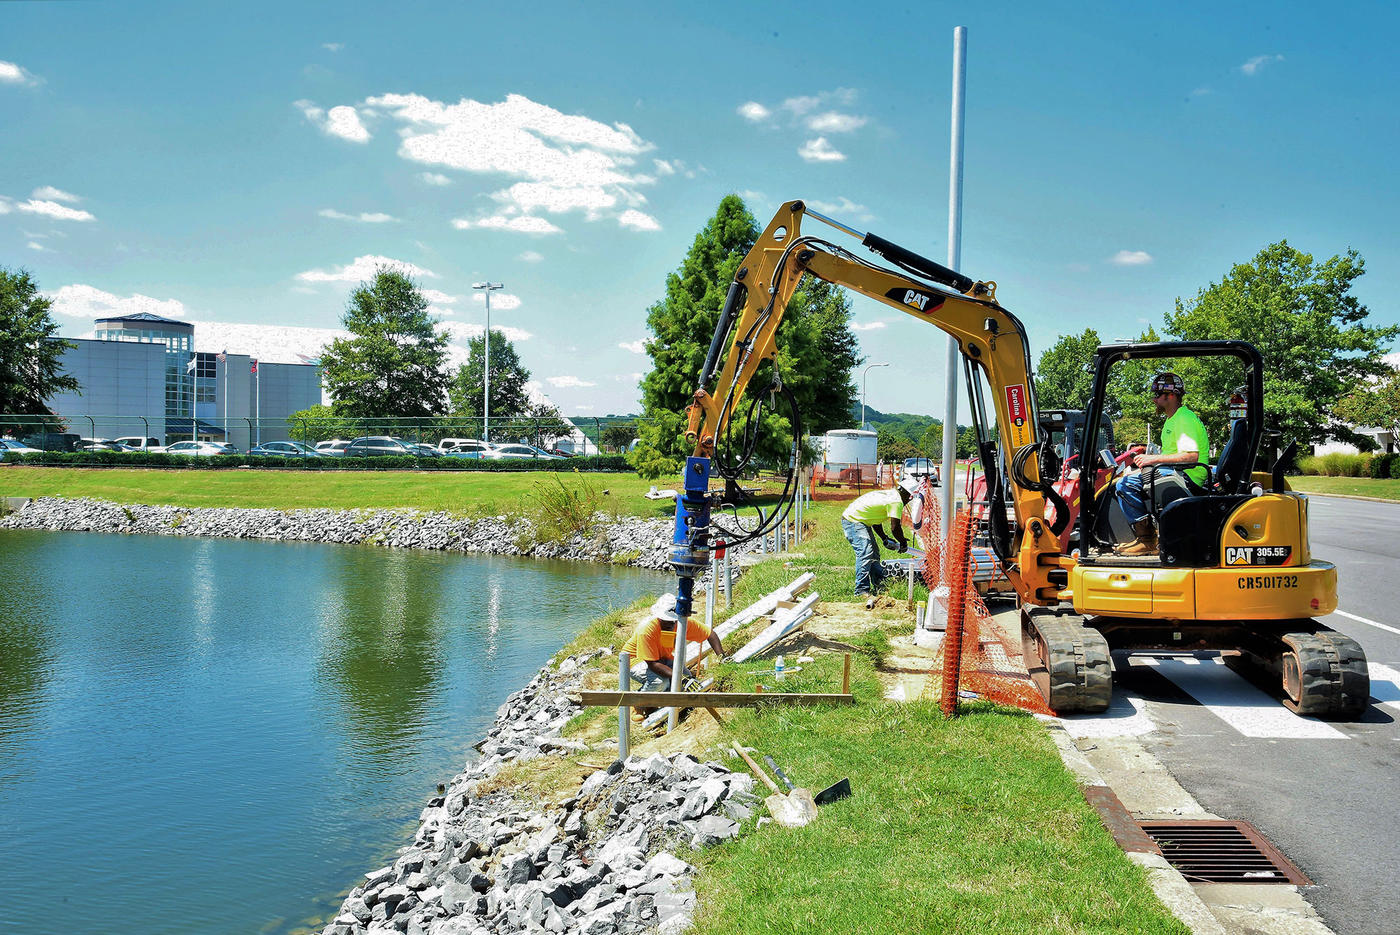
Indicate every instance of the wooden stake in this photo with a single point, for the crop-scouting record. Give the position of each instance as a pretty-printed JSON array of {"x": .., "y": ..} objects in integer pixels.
[{"x": 846, "y": 675}]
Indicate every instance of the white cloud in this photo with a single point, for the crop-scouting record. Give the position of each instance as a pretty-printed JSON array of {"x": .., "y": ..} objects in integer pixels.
[
  {"x": 332, "y": 46},
  {"x": 53, "y": 210},
  {"x": 843, "y": 208},
  {"x": 804, "y": 104},
  {"x": 521, "y": 224},
  {"x": 364, "y": 217},
  {"x": 663, "y": 167},
  {"x": 636, "y": 347},
  {"x": 754, "y": 112},
  {"x": 84, "y": 301},
  {"x": 869, "y": 326},
  {"x": 1253, "y": 66},
  {"x": 439, "y": 310},
  {"x": 570, "y": 382},
  {"x": 835, "y": 122},
  {"x": 556, "y": 199},
  {"x": 362, "y": 268},
  {"x": 35, "y": 245},
  {"x": 340, "y": 121},
  {"x": 628, "y": 377},
  {"x": 461, "y": 332},
  {"x": 637, "y": 221},
  {"x": 1131, "y": 258},
  {"x": 566, "y": 162},
  {"x": 819, "y": 150},
  {"x": 304, "y": 290},
  {"x": 530, "y": 256},
  {"x": 1202, "y": 91},
  {"x": 435, "y": 178},
  {"x": 49, "y": 193},
  {"x": 439, "y": 298},
  {"x": 10, "y": 73},
  {"x": 343, "y": 122},
  {"x": 500, "y": 301}
]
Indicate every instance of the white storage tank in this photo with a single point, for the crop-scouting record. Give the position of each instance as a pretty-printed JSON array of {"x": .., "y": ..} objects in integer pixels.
[{"x": 849, "y": 447}]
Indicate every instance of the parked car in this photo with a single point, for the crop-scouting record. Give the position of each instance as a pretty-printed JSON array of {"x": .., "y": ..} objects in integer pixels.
[
  {"x": 465, "y": 447},
  {"x": 333, "y": 447},
  {"x": 503, "y": 452},
  {"x": 16, "y": 446},
  {"x": 920, "y": 467},
  {"x": 423, "y": 449},
  {"x": 200, "y": 449},
  {"x": 137, "y": 443},
  {"x": 100, "y": 444},
  {"x": 372, "y": 446},
  {"x": 287, "y": 449}
]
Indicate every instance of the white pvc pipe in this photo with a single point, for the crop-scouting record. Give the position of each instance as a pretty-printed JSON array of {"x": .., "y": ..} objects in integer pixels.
[{"x": 624, "y": 713}]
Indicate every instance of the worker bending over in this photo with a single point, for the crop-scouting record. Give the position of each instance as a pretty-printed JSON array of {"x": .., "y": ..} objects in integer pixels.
[
  {"x": 863, "y": 520},
  {"x": 1184, "y": 441},
  {"x": 652, "y": 645}
]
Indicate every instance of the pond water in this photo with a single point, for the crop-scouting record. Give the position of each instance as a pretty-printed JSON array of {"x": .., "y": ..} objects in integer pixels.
[{"x": 206, "y": 736}]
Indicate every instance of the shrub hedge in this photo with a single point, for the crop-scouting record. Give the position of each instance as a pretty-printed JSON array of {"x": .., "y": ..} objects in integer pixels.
[{"x": 593, "y": 463}]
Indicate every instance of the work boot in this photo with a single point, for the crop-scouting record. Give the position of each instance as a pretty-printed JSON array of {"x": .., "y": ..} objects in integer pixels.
[{"x": 1146, "y": 541}]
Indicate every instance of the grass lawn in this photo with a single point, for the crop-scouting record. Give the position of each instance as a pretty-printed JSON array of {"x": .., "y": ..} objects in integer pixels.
[
  {"x": 1388, "y": 489},
  {"x": 971, "y": 825},
  {"x": 476, "y": 493}
]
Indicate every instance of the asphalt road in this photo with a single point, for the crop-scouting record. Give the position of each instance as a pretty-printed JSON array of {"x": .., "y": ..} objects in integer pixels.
[{"x": 1326, "y": 793}]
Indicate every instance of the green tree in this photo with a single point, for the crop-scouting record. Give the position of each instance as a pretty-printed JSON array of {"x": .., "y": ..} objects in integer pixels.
[
  {"x": 1064, "y": 378},
  {"x": 318, "y": 423},
  {"x": 893, "y": 447},
  {"x": 967, "y": 443},
  {"x": 1311, "y": 329},
  {"x": 618, "y": 436},
  {"x": 394, "y": 363},
  {"x": 931, "y": 441},
  {"x": 510, "y": 399},
  {"x": 31, "y": 354},
  {"x": 1375, "y": 405},
  {"x": 816, "y": 349}
]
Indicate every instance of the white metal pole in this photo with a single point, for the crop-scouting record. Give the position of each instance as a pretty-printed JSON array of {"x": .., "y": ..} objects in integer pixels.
[
  {"x": 955, "y": 191},
  {"x": 225, "y": 362},
  {"x": 678, "y": 661},
  {"x": 486, "y": 373},
  {"x": 194, "y": 393},
  {"x": 624, "y": 713},
  {"x": 257, "y": 405}
]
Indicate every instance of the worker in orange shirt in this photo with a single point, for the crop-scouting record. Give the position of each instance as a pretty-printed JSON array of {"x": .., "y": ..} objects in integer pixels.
[{"x": 652, "y": 645}]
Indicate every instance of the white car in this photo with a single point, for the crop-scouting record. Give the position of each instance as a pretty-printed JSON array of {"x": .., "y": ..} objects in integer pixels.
[
  {"x": 332, "y": 447},
  {"x": 200, "y": 449},
  {"x": 16, "y": 446},
  {"x": 466, "y": 447},
  {"x": 502, "y": 452}
]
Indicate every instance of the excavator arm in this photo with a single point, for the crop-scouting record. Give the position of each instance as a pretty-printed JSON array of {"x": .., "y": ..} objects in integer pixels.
[{"x": 989, "y": 337}]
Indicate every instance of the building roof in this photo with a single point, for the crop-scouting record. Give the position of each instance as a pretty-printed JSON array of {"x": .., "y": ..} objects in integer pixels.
[{"x": 146, "y": 316}]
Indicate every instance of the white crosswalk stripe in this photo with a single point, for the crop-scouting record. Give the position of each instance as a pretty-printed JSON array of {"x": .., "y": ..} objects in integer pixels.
[{"x": 1227, "y": 696}]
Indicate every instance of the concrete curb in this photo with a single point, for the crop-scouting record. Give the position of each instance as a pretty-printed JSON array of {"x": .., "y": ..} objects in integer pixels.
[
  {"x": 1348, "y": 496},
  {"x": 1169, "y": 885}
]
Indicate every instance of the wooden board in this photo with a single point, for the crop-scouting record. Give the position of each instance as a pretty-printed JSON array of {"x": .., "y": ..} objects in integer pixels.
[{"x": 616, "y": 699}]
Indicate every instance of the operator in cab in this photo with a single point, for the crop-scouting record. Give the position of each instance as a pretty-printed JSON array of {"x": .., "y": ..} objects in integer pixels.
[
  {"x": 1184, "y": 442},
  {"x": 863, "y": 520}
]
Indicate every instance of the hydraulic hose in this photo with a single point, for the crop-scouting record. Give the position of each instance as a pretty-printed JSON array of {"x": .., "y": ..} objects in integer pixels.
[{"x": 1018, "y": 474}]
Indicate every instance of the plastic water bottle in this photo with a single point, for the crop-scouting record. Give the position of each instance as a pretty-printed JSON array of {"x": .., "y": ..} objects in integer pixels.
[{"x": 778, "y": 669}]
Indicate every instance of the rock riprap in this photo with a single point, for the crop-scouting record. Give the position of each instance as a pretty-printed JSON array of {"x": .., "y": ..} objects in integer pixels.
[
  {"x": 602, "y": 861},
  {"x": 643, "y": 543}
]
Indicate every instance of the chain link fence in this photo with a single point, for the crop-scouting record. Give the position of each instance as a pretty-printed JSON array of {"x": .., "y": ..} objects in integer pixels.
[{"x": 577, "y": 435}]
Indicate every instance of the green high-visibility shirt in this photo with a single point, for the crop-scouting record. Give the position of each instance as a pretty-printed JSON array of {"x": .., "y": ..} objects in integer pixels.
[
  {"x": 1183, "y": 432},
  {"x": 875, "y": 507}
]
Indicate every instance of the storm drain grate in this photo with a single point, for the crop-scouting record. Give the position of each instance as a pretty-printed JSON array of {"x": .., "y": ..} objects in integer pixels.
[{"x": 1222, "y": 852}]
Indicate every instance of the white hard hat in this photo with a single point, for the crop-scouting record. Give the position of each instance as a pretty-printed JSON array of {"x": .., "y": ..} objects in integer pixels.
[
  {"x": 665, "y": 608},
  {"x": 910, "y": 485}
]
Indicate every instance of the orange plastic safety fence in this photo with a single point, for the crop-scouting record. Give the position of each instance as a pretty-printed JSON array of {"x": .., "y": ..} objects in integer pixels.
[{"x": 981, "y": 660}]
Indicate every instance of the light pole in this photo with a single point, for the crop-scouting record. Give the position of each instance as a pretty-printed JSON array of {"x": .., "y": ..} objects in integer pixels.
[
  {"x": 865, "y": 373},
  {"x": 488, "y": 288}
]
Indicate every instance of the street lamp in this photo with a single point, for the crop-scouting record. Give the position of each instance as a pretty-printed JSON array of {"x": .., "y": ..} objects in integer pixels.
[
  {"x": 865, "y": 373},
  {"x": 488, "y": 288}
]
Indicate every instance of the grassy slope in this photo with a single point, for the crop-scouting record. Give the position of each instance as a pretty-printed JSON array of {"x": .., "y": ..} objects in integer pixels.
[
  {"x": 967, "y": 826},
  {"x": 1352, "y": 486}
]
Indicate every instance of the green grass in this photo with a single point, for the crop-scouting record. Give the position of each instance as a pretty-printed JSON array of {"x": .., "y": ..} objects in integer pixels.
[
  {"x": 971, "y": 825},
  {"x": 475, "y": 493},
  {"x": 1388, "y": 489}
]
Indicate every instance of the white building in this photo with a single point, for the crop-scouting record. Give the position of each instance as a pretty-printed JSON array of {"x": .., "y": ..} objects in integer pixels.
[{"x": 140, "y": 376}]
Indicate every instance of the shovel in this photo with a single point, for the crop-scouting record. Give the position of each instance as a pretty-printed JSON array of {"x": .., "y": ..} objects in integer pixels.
[
  {"x": 792, "y": 810},
  {"x": 837, "y": 790}
]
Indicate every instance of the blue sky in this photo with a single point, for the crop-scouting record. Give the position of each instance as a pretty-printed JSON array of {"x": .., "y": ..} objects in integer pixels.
[{"x": 233, "y": 164}]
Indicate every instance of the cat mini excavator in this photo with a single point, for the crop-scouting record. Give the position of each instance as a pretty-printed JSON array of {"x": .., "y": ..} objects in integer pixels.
[{"x": 1234, "y": 573}]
